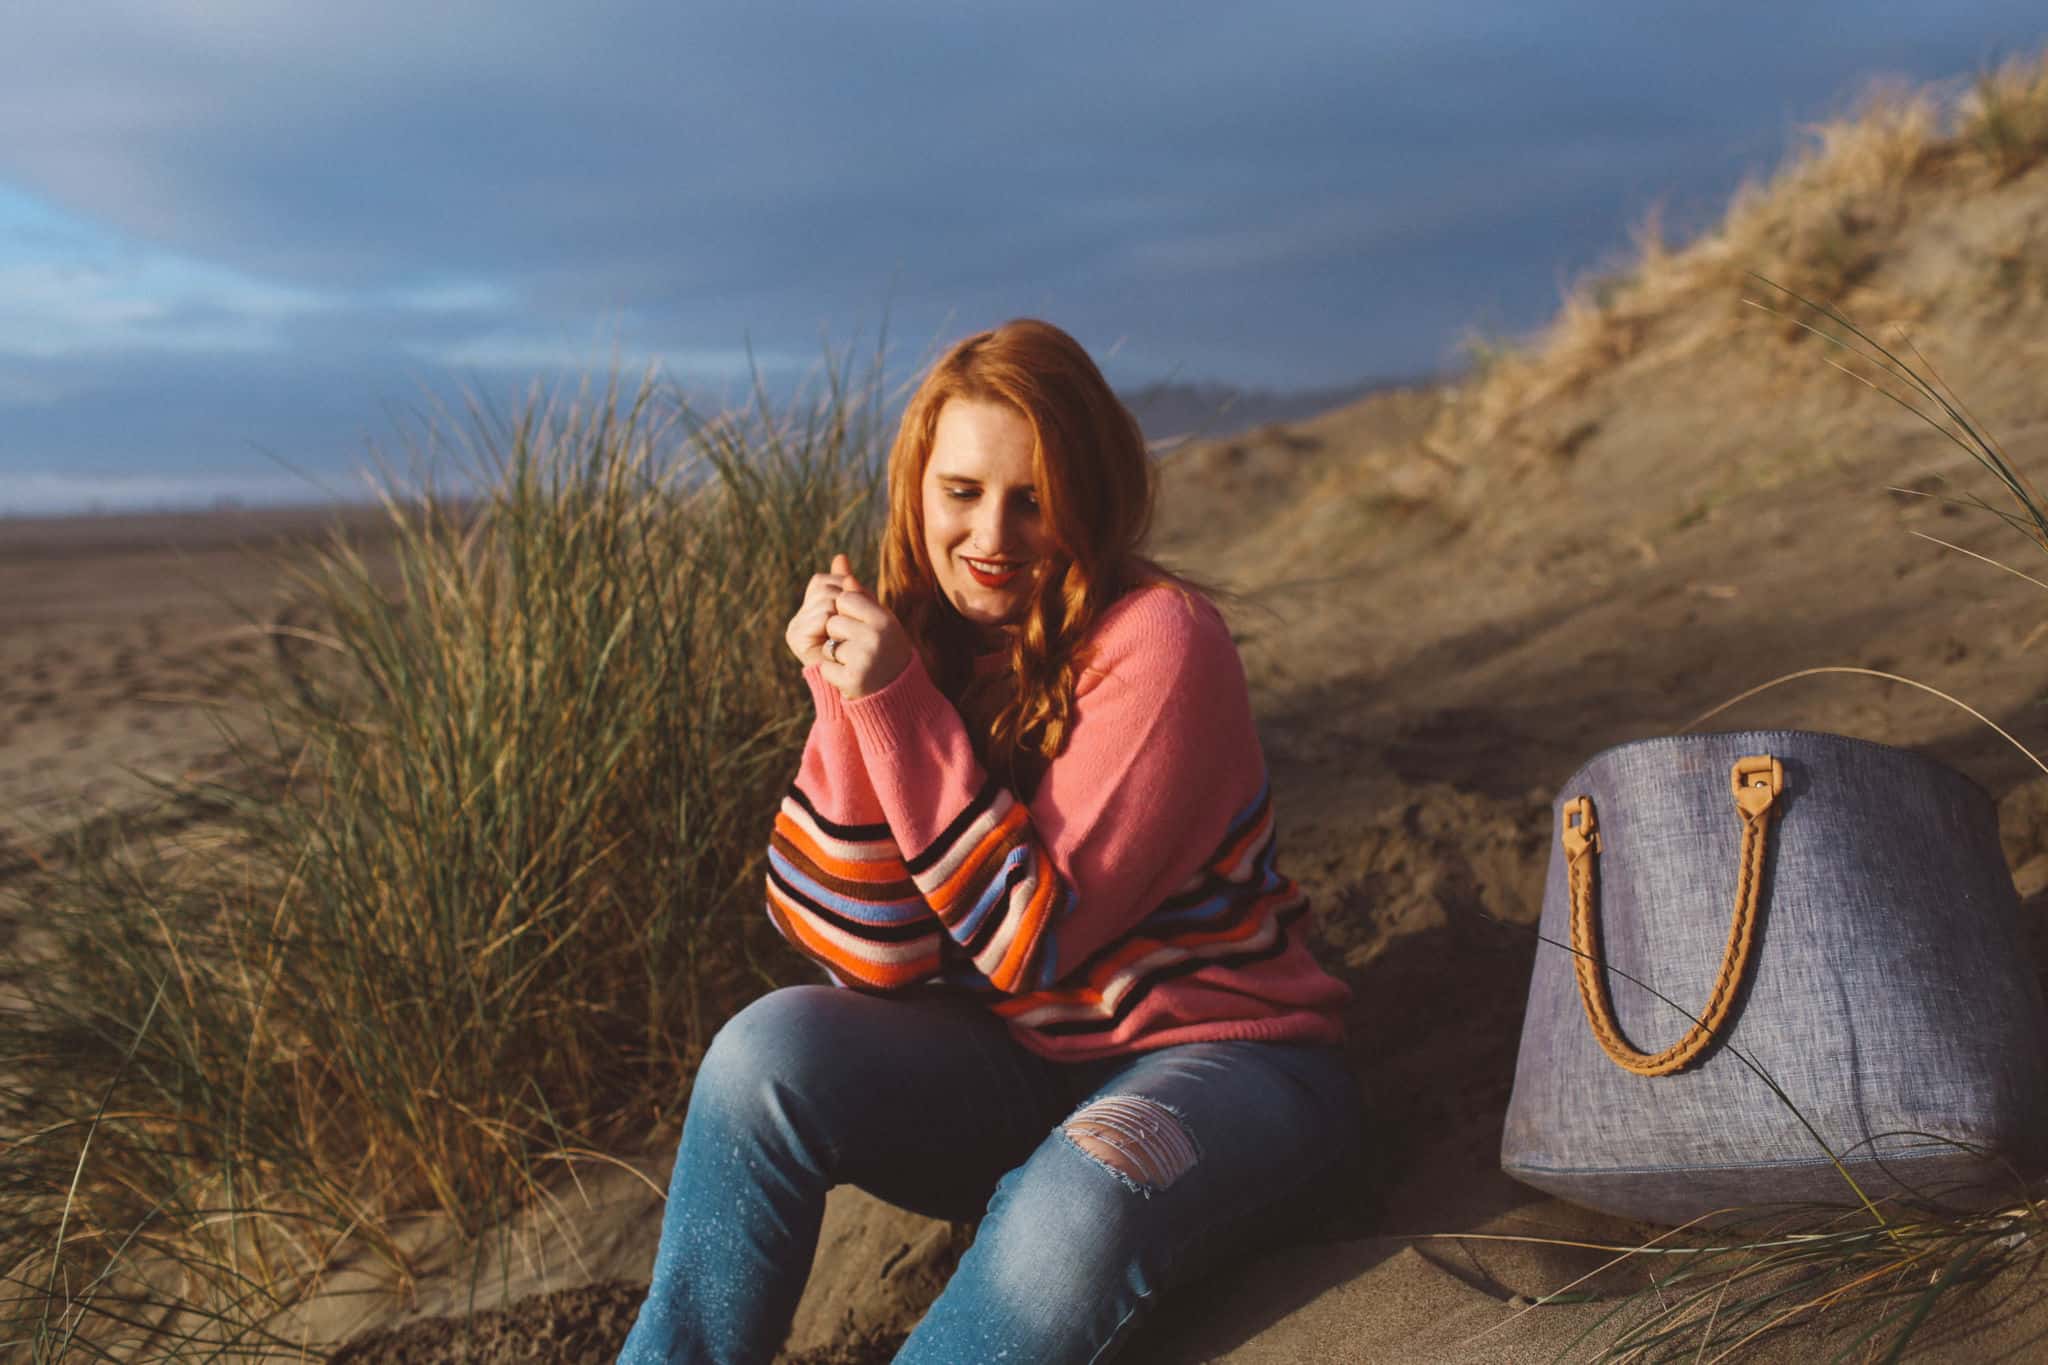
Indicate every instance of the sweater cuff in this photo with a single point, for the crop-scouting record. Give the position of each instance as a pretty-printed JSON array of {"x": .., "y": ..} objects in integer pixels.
[
  {"x": 906, "y": 713},
  {"x": 831, "y": 706}
]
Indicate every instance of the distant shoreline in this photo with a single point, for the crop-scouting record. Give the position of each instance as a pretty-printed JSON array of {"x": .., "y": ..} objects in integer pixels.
[{"x": 75, "y": 534}]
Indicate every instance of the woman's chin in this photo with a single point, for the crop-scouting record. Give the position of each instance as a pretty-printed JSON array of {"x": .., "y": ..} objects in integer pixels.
[{"x": 984, "y": 615}]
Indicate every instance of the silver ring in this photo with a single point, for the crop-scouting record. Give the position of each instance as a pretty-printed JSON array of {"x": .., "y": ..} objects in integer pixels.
[{"x": 831, "y": 649}]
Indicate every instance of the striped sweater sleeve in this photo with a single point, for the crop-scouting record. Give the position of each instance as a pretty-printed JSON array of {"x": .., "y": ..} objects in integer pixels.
[
  {"x": 1160, "y": 756},
  {"x": 838, "y": 888}
]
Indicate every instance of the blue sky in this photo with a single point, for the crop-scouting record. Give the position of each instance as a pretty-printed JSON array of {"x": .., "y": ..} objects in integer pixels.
[{"x": 241, "y": 232}]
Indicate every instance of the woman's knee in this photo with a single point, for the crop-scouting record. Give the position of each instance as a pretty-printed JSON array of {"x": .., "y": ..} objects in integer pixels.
[
  {"x": 1136, "y": 1138},
  {"x": 1073, "y": 1246},
  {"x": 1086, "y": 1197},
  {"x": 777, "y": 1037}
]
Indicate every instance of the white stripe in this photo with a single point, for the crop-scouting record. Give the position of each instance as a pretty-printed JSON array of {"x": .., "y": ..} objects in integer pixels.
[
  {"x": 1241, "y": 870},
  {"x": 851, "y": 945},
  {"x": 939, "y": 873},
  {"x": 1011, "y": 908},
  {"x": 880, "y": 850},
  {"x": 1128, "y": 978}
]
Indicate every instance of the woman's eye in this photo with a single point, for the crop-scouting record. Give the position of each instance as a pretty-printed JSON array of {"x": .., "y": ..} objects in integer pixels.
[{"x": 959, "y": 494}]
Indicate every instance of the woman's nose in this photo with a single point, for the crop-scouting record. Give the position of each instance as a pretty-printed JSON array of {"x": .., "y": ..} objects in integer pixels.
[{"x": 991, "y": 529}]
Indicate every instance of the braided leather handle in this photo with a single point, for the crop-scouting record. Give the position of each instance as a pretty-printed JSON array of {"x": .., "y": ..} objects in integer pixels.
[{"x": 1756, "y": 783}]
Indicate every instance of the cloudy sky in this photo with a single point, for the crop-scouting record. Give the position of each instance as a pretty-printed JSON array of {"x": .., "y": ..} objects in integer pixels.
[{"x": 243, "y": 237}]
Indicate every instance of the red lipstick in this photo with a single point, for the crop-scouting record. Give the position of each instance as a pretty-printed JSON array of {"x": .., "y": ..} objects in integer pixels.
[{"x": 992, "y": 580}]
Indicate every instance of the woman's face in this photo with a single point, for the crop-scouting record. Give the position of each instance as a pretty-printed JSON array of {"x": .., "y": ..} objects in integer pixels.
[{"x": 987, "y": 540}]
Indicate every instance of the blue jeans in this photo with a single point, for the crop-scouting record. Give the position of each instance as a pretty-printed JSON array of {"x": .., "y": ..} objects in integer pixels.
[{"x": 1103, "y": 1182}]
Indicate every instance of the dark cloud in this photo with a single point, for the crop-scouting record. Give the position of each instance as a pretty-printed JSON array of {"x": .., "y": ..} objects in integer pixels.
[{"x": 1282, "y": 194}]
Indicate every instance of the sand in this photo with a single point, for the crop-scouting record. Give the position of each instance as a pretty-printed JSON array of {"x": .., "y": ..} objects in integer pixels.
[{"x": 119, "y": 638}]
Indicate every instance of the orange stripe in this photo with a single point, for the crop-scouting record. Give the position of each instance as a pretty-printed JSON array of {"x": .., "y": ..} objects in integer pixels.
[
  {"x": 1111, "y": 967},
  {"x": 1127, "y": 952},
  {"x": 942, "y": 898},
  {"x": 871, "y": 870},
  {"x": 796, "y": 927},
  {"x": 1251, "y": 836},
  {"x": 1030, "y": 927}
]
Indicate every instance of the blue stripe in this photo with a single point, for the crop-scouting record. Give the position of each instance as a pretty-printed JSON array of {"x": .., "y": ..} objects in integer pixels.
[
  {"x": 1220, "y": 905},
  {"x": 1049, "y": 944},
  {"x": 1245, "y": 817},
  {"x": 866, "y": 912},
  {"x": 997, "y": 891}
]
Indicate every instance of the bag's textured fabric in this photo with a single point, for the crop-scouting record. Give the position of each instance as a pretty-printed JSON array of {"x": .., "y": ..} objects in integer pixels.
[{"x": 1888, "y": 995}]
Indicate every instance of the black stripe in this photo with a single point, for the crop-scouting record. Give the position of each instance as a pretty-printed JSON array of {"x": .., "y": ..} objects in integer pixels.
[
  {"x": 993, "y": 921},
  {"x": 875, "y": 893},
  {"x": 852, "y": 834},
  {"x": 875, "y": 933},
  {"x": 1171, "y": 971},
  {"x": 983, "y": 799},
  {"x": 1214, "y": 883},
  {"x": 1211, "y": 880},
  {"x": 1245, "y": 895}
]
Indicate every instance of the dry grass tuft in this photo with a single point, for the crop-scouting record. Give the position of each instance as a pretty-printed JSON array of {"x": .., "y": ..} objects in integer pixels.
[
  {"x": 2005, "y": 117},
  {"x": 1821, "y": 227},
  {"x": 489, "y": 880}
]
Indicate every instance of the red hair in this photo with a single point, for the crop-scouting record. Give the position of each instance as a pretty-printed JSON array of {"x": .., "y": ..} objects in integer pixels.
[{"x": 1094, "y": 484}]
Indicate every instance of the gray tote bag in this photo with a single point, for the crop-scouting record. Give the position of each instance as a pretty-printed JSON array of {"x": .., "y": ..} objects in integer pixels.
[{"x": 1830, "y": 914}]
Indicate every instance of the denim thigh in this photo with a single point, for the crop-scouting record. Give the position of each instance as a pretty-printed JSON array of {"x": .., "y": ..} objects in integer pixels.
[{"x": 923, "y": 1102}]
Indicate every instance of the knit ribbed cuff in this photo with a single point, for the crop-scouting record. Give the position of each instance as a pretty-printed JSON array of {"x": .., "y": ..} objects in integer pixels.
[
  {"x": 831, "y": 706},
  {"x": 906, "y": 713}
]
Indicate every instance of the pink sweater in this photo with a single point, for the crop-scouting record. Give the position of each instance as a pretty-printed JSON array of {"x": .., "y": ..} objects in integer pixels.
[{"x": 1132, "y": 903}]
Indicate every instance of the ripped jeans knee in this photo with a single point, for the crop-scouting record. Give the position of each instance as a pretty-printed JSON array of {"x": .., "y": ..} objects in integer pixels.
[{"x": 1139, "y": 1140}]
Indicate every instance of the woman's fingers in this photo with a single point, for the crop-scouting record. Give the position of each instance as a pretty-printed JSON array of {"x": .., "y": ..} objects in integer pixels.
[
  {"x": 806, "y": 635},
  {"x": 823, "y": 587},
  {"x": 848, "y": 629},
  {"x": 861, "y": 607},
  {"x": 871, "y": 648}
]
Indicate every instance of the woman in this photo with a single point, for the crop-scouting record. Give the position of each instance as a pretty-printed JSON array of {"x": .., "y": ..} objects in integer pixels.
[{"x": 1031, "y": 832}]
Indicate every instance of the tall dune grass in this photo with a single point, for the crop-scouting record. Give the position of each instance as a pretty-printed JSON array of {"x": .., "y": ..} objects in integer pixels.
[{"x": 486, "y": 883}]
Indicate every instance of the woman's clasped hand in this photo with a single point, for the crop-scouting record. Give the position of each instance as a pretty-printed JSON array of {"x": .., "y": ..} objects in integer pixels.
[{"x": 856, "y": 643}]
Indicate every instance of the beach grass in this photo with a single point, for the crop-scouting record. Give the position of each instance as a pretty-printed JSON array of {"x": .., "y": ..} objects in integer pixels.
[{"x": 483, "y": 883}]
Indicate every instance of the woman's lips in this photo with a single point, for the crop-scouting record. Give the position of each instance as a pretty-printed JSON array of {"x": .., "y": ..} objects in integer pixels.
[{"x": 992, "y": 573}]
